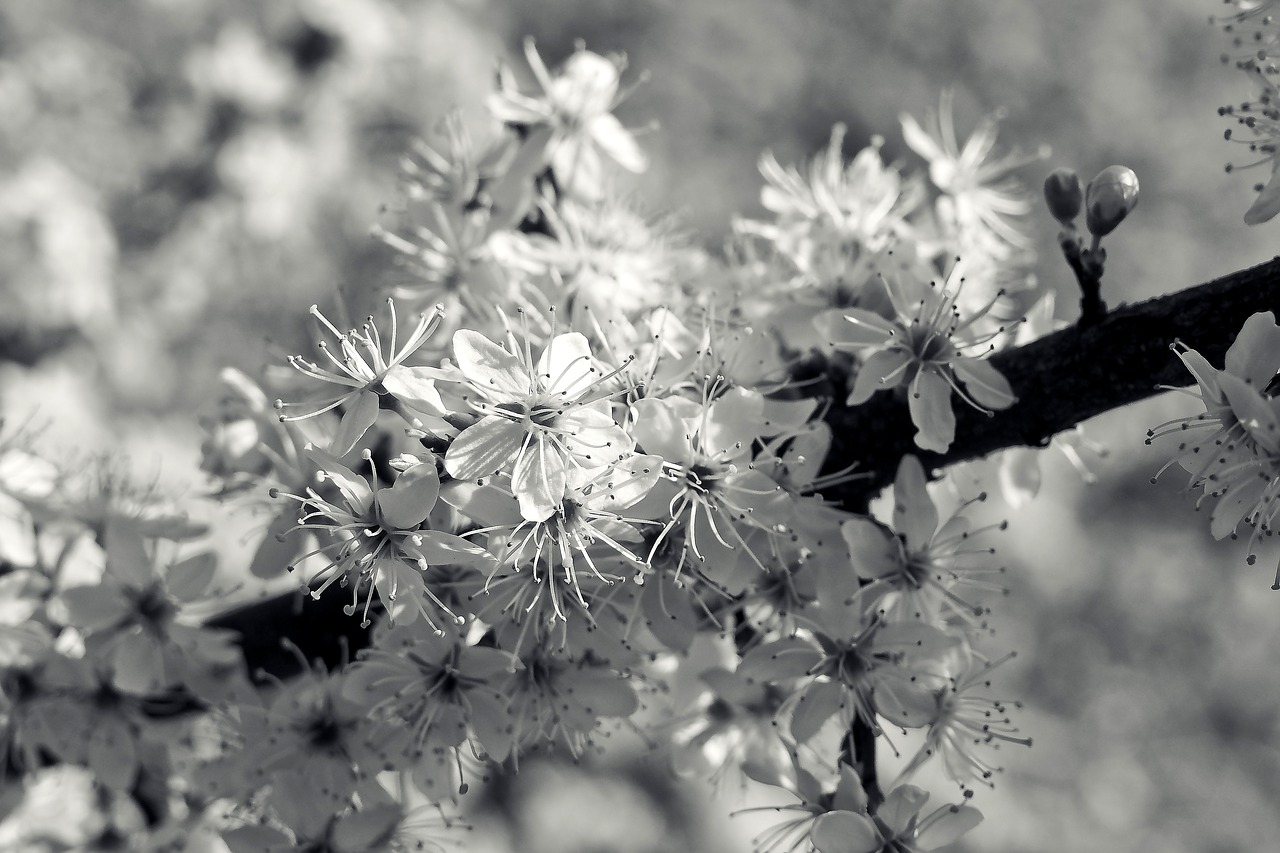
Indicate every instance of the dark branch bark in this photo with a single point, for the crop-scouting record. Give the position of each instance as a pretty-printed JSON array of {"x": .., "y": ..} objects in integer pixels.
[
  {"x": 319, "y": 628},
  {"x": 1060, "y": 380}
]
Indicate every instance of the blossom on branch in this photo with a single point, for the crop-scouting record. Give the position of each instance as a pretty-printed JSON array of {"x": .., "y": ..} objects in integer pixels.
[
  {"x": 922, "y": 566},
  {"x": 576, "y": 104},
  {"x": 1232, "y": 449},
  {"x": 378, "y": 536},
  {"x": 926, "y": 347},
  {"x": 364, "y": 371},
  {"x": 896, "y": 827},
  {"x": 544, "y": 418}
]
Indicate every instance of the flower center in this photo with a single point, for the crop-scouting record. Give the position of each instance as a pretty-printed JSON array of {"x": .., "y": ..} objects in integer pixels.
[{"x": 701, "y": 478}]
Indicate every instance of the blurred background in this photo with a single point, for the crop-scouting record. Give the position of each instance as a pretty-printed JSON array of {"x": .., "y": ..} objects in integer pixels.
[{"x": 181, "y": 179}]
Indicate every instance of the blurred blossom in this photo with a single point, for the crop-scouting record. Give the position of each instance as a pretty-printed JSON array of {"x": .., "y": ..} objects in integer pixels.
[
  {"x": 17, "y": 100},
  {"x": 368, "y": 28},
  {"x": 863, "y": 202},
  {"x": 276, "y": 176},
  {"x": 577, "y": 104},
  {"x": 22, "y": 474},
  {"x": 58, "y": 812},
  {"x": 984, "y": 197},
  {"x": 57, "y": 250},
  {"x": 240, "y": 68},
  {"x": 607, "y": 257}
]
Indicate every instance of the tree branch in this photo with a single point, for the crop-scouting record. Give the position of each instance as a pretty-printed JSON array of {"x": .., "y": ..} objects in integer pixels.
[
  {"x": 1060, "y": 380},
  {"x": 319, "y": 628}
]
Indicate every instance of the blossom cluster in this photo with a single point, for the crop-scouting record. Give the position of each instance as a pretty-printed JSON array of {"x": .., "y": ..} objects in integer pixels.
[
  {"x": 1254, "y": 42},
  {"x": 1232, "y": 448},
  {"x": 571, "y": 444}
]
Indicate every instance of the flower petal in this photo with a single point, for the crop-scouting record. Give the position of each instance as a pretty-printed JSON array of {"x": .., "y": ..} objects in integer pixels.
[
  {"x": 514, "y": 108},
  {"x": 279, "y": 547},
  {"x": 845, "y": 832},
  {"x": 605, "y": 694},
  {"x": 487, "y": 505},
  {"x": 578, "y": 167},
  {"x": 919, "y": 141},
  {"x": 1206, "y": 375},
  {"x": 903, "y": 703},
  {"x": 566, "y": 366},
  {"x": 914, "y": 515},
  {"x": 903, "y": 803},
  {"x": 594, "y": 447},
  {"x": 356, "y": 421},
  {"x": 985, "y": 384},
  {"x": 785, "y": 415},
  {"x": 1267, "y": 204},
  {"x": 930, "y": 406},
  {"x": 789, "y": 657},
  {"x": 806, "y": 451},
  {"x": 354, "y": 488},
  {"x": 410, "y": 500},
  {"x": 1256, "y": 413},
  {"x": 490, "y": 368},
  {"x": 660, "y": 429},
  {"x": 586, "y": 85},
  {"x": 873, "y": 549},
  {"x": 1254, "y": 356},
  {"x": 416, "y": 388},
  {"x": 817, "y": 704},
  {"x": 127, "y": 558},
  {"x": 944, "y": 830},
  {"x": 1238, "y": 501},
  {"x": 625, "y": 483},
  {"x": 753, "y": 497},
  {"x": 669, "y": 613},
  {"x": 539, "y": 480},
  {"x": 618, "y": 143},
  {"x": 93, "y": 608},
  {"x": 113, "y": 753},
  {"x": 138, "y": 663},
  {"x": 732, "y": 421},
  {"x": 484, "y": 448},
  {"x": 439, "y": 548},
  {"x": 188, "y": 579},
  {"x": 401, "y": 589},
  {"x": 883, "y": 369},
  {"x": 869, "y": 329}
]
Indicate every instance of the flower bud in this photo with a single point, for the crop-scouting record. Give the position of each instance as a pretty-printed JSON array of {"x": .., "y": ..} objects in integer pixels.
[
  {"x": 1064, "y": 193},
  {"x": 1109, "y": 199}
]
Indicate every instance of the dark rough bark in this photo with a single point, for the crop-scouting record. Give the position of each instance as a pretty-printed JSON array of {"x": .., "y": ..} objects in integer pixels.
[
  {"x": 319, "y": 628},
  {"x": 1060, "y": 380}
]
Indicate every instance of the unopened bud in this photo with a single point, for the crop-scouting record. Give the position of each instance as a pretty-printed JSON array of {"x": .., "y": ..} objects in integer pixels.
[
  {"x": 1109, "y": 199},
  {"x": 1064, "y": 193}
]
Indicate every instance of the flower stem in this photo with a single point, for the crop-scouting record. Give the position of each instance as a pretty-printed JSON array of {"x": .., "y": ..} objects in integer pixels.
[
  {"x": 858, "y": 750},
  {"x": 1087, "y": 264}
]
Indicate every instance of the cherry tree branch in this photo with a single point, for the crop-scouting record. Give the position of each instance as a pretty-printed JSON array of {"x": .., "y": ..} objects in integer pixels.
[
  {"x": 1105, "y": 361},
  {"x": 1060, "y": 380}
]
